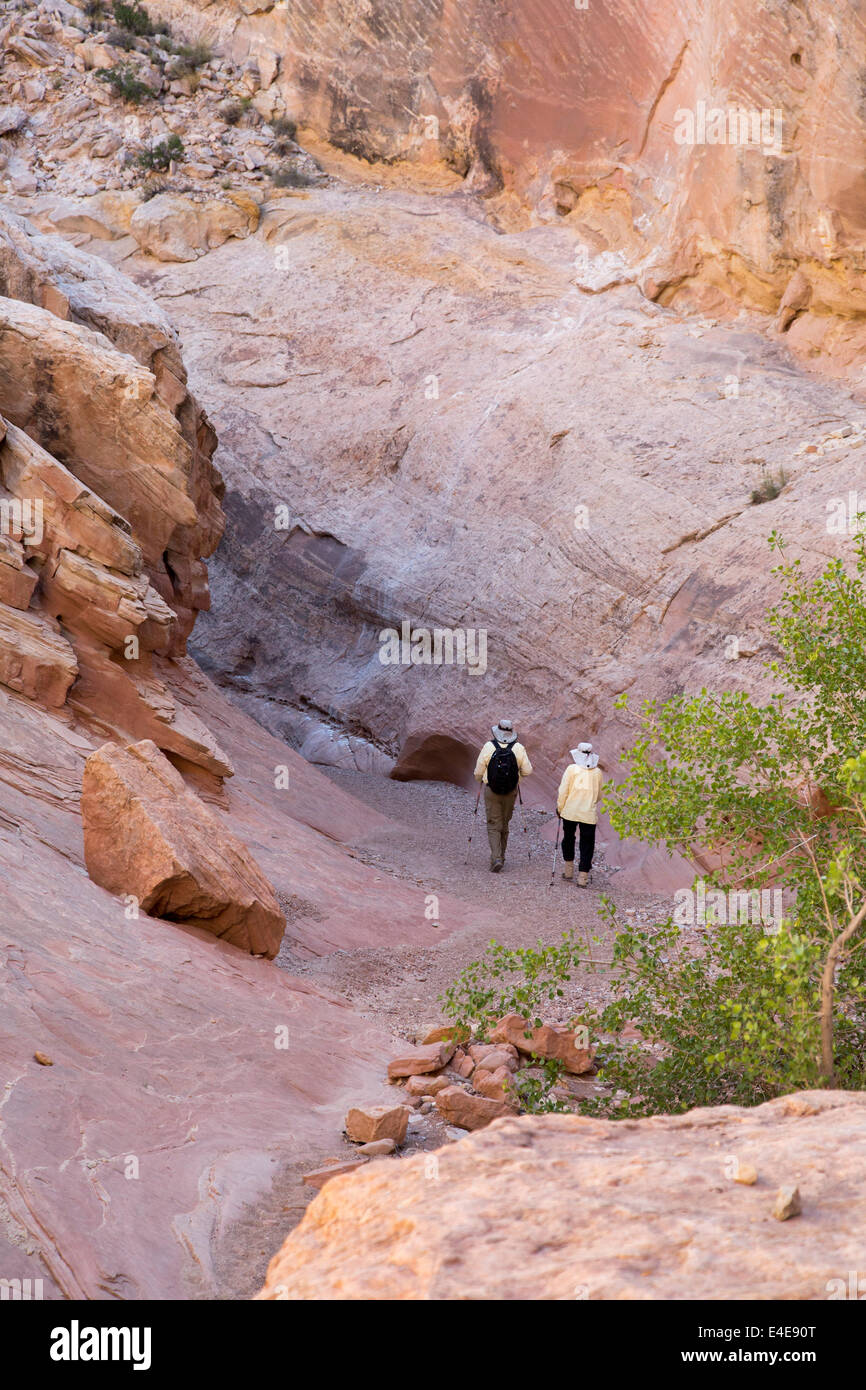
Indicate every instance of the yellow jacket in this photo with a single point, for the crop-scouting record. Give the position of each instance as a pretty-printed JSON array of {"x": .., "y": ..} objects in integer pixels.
[
  {"x": 524, "y": 766},
  {"x": 579, "y": 792}
]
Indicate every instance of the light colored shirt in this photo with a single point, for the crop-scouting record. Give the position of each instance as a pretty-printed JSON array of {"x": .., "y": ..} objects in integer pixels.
[
  {"x": 579, "y": 792},
  {"x": 524, "y": 766}
]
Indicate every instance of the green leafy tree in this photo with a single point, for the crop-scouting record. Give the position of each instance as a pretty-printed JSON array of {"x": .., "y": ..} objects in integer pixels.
[{"x": 772, "y": 794}]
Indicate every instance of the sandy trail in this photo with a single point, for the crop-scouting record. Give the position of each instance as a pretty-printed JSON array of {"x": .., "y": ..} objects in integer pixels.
[{"x": 426, "y": 843}]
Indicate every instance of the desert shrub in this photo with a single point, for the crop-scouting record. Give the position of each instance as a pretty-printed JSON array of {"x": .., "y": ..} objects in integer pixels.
[
  {"x": 290, "y": 176},
  {"x": 125, "y": 84},
  {"x": 231, "y": 112},
  {"x": 154, "y": 186},
  {"x": 777, "y": 792},
  {"x": 121, "y": 38},
  {"x": 189, "y": 57},
  {"x": 161, "y": 155},
  {"x": 284, "y": 147},
  {"x": 133, "y": 18},
  {"x": 769, "y": 487},
  {"x": 285, "y": 126}
]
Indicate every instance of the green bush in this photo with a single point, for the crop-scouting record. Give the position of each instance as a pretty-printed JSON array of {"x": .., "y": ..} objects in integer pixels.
[
  {"x": 730, "y": 1017},
  {"x": 134, "y": 18},
  {"x": 125, "y": 84},
  {"x": 777, "y": 793},
  {"x": 161, "y": 155}
]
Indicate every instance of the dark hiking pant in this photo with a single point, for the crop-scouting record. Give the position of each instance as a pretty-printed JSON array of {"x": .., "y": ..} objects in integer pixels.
[
  {"x": 499, "y": 811},
  {"x": 587, "y": 844}
]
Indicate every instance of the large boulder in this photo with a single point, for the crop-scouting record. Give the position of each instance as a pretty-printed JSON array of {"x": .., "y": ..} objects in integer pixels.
[
  {"x": 172, "y": 227},
  {"x": 558, "y": 1207},
  {"x": 148, "y": 836}
]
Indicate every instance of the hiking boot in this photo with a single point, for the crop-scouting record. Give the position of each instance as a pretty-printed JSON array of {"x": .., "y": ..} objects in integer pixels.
[
  {"x": 495, "y": 866},
  {"x": 568, "y": 871},
  {"x": 582, "y": 879}
]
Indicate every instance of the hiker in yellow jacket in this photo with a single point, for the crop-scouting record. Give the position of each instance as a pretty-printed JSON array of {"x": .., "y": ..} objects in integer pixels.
[{"x": 577, "y": 804}]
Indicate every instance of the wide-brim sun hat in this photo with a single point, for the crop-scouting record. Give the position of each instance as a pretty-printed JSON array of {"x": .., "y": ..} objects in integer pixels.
[
  {"x": 503, "y": 732},
  {"x": 583, "y": 755}
]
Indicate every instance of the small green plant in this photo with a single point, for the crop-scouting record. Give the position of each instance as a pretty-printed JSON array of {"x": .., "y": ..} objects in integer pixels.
[
  {"x": 125, "y": 84},
  {"x": 189, "y": 58},
  {"x": 134, "y": 18},
  {"x": 533, "y": 1090},
  {"x": 516, "y": 980},
  {"x": 160, "y": 156},
  {"x": 769, "y": 486}
]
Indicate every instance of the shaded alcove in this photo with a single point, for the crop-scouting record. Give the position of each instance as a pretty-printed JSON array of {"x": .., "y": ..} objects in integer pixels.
[{"x": 430, "y": 757}]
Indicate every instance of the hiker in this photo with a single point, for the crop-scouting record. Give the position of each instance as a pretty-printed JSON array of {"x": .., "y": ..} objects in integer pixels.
[
  {"x": 577, "y": 804},
  {"x": 501, "y": 764}
]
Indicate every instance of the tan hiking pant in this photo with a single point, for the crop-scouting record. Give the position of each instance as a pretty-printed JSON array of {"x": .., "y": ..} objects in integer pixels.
[{"x": 499, "y": 811}]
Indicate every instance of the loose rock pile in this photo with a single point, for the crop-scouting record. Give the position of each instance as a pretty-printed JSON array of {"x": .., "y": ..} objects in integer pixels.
[
  {"x": 467, "y": 1084},
  {"x": 158, "y": 138}
]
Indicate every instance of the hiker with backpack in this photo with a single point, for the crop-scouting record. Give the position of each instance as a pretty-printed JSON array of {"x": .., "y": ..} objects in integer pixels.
[
  {"x": 577, "y": 804},
  {"x": 501, "y": 764}
]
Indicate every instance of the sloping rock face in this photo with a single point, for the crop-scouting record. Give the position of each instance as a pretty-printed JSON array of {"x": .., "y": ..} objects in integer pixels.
[
  {"x": 146, "y": 834},
  {"x": 557, "y": 1207},
  {"x": 706, "y": 152},
  {"x": 484, "y": 477},
  {"x": 187, "y": 1079}
]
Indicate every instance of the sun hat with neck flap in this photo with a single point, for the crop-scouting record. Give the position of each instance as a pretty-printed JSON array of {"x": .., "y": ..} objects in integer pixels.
[
  {"x": 503, "y": 732},
  {"x": 583, "y": 755}
]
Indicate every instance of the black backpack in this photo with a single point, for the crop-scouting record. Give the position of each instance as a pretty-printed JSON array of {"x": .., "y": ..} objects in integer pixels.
[{"x": 503, "y": 773}]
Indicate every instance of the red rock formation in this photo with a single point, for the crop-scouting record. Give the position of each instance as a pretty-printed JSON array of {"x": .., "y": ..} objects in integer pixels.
[
  {"x": 147, "y": 835},
  {"x": 525, "y": 1210}
]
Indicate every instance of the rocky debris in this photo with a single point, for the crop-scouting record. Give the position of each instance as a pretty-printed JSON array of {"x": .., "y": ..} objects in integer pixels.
[
  {"x": 175, "y": 228},
  {"x": 547, "y": 1042},
  {"x": 338, "y": 1168},
  {"x": 378, "y": 1148},
  {"x": 746, "y": 1174},
  {"x": 12, "y": 118},
  {"x": 443, "y": 1032},
  {"x": 420, "y": 1085},
  {"x": 595, "y": 1209},
  {"x": 467, "y": 1111},
  {"x": 367, "y": 1124},
  {"x": 787, "y": 1203},
  {"x": 495, "y": 1084},
  {"x": 489, "y": 1056},
  {"x": 418, "y": 1060},
  {"x": 35, "y": 659},
  {"x": 146, "y": 835}
]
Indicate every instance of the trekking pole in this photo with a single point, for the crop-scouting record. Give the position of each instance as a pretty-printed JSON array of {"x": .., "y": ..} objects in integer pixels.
[
  {"x": 527, "y": 842},
  {"x": 472, "y": 824},
  {"x": 555, "y": 852}
]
